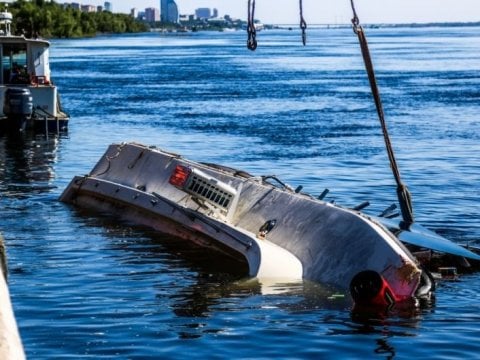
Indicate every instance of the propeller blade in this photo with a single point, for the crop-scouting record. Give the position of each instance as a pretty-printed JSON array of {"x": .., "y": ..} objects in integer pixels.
[{"x": 418, "y": 235}]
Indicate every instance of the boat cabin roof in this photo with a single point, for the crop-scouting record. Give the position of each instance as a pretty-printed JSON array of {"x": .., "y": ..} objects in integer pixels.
[
  {"x": 6, "y": 33},
  {"x": 9, "y": 39}
]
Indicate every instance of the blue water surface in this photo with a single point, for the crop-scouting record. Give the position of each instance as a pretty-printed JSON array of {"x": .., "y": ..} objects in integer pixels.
[{"x": 86, "y": 285}]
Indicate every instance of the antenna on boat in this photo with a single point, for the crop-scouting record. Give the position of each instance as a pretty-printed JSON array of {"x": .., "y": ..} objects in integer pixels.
[
  {"x": 5, "y": 21},
  {"x": 403, "y": 194}
]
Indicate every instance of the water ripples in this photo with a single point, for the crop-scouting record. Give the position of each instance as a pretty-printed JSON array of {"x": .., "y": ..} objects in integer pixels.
[{"x": 86, "y": 285}]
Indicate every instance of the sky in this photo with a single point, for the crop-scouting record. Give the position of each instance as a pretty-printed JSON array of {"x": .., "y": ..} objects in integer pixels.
[{"x": 324, "y": 11}]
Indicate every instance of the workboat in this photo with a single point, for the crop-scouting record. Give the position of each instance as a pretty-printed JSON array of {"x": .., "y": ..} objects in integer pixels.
[
  {"x": 28, "y": 97},
  {"x": 277, "y": 231}
]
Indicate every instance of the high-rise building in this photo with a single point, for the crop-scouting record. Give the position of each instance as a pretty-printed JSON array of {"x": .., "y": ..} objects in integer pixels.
[
  {"x": 168, "y": 11},
  {"x": 88, "y": 8},
  {"x": 203, "y": 13},
  {"x": 152, "y": 14},
  {"x": 134, "y": 13},
  {"x": 108, "y": 6}
]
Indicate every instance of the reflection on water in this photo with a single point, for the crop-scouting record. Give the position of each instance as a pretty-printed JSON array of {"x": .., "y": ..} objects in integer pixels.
[
  {"x": 216, "y": 281},
  {"x": 26, "y": 163}
]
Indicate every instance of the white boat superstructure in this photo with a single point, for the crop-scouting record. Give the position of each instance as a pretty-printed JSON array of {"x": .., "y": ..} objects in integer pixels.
[
  {"x": 28, "y": 98},
  {"x": 276, "y": 231}
]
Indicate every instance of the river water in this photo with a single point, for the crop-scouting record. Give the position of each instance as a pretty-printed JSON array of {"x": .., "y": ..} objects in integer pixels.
[{"x": 86, "y": 285}]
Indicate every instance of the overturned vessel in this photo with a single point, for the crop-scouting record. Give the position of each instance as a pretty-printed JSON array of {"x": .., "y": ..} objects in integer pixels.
[
  {"x": 278, "y": 232},
  {"x": 28, "y": 97}
]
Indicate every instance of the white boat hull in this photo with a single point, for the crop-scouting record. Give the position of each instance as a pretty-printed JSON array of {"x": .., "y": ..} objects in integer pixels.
[{"x": 311, "y": 239}]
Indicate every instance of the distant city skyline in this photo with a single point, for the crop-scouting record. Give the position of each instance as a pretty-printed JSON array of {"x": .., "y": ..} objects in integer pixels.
[{"x": 325, "y": 11}]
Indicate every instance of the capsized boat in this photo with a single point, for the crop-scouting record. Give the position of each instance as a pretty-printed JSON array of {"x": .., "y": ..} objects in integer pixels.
[
  {"x": 278, "y": 232},
  {"x": 28, "y": 97}
]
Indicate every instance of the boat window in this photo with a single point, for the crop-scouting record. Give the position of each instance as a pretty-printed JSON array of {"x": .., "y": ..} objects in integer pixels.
[{"x": 14, "y": 64}]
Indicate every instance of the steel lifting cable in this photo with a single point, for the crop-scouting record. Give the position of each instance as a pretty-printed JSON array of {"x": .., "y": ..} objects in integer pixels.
[
  {"x": 404, "y": 197},
  {"x": 252, "y": 32},
  {"x": 303, "y": 24}
]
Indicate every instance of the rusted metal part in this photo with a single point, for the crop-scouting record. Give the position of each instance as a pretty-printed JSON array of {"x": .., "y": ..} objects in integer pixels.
[{"x": 408, "y": 272}]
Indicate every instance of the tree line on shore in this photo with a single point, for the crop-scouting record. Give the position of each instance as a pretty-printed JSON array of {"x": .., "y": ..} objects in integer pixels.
[{"x": 51, "y": 20}]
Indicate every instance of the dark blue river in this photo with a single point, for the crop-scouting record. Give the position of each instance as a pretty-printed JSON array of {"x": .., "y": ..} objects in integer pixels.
[{"x": 86, "y": 285}]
